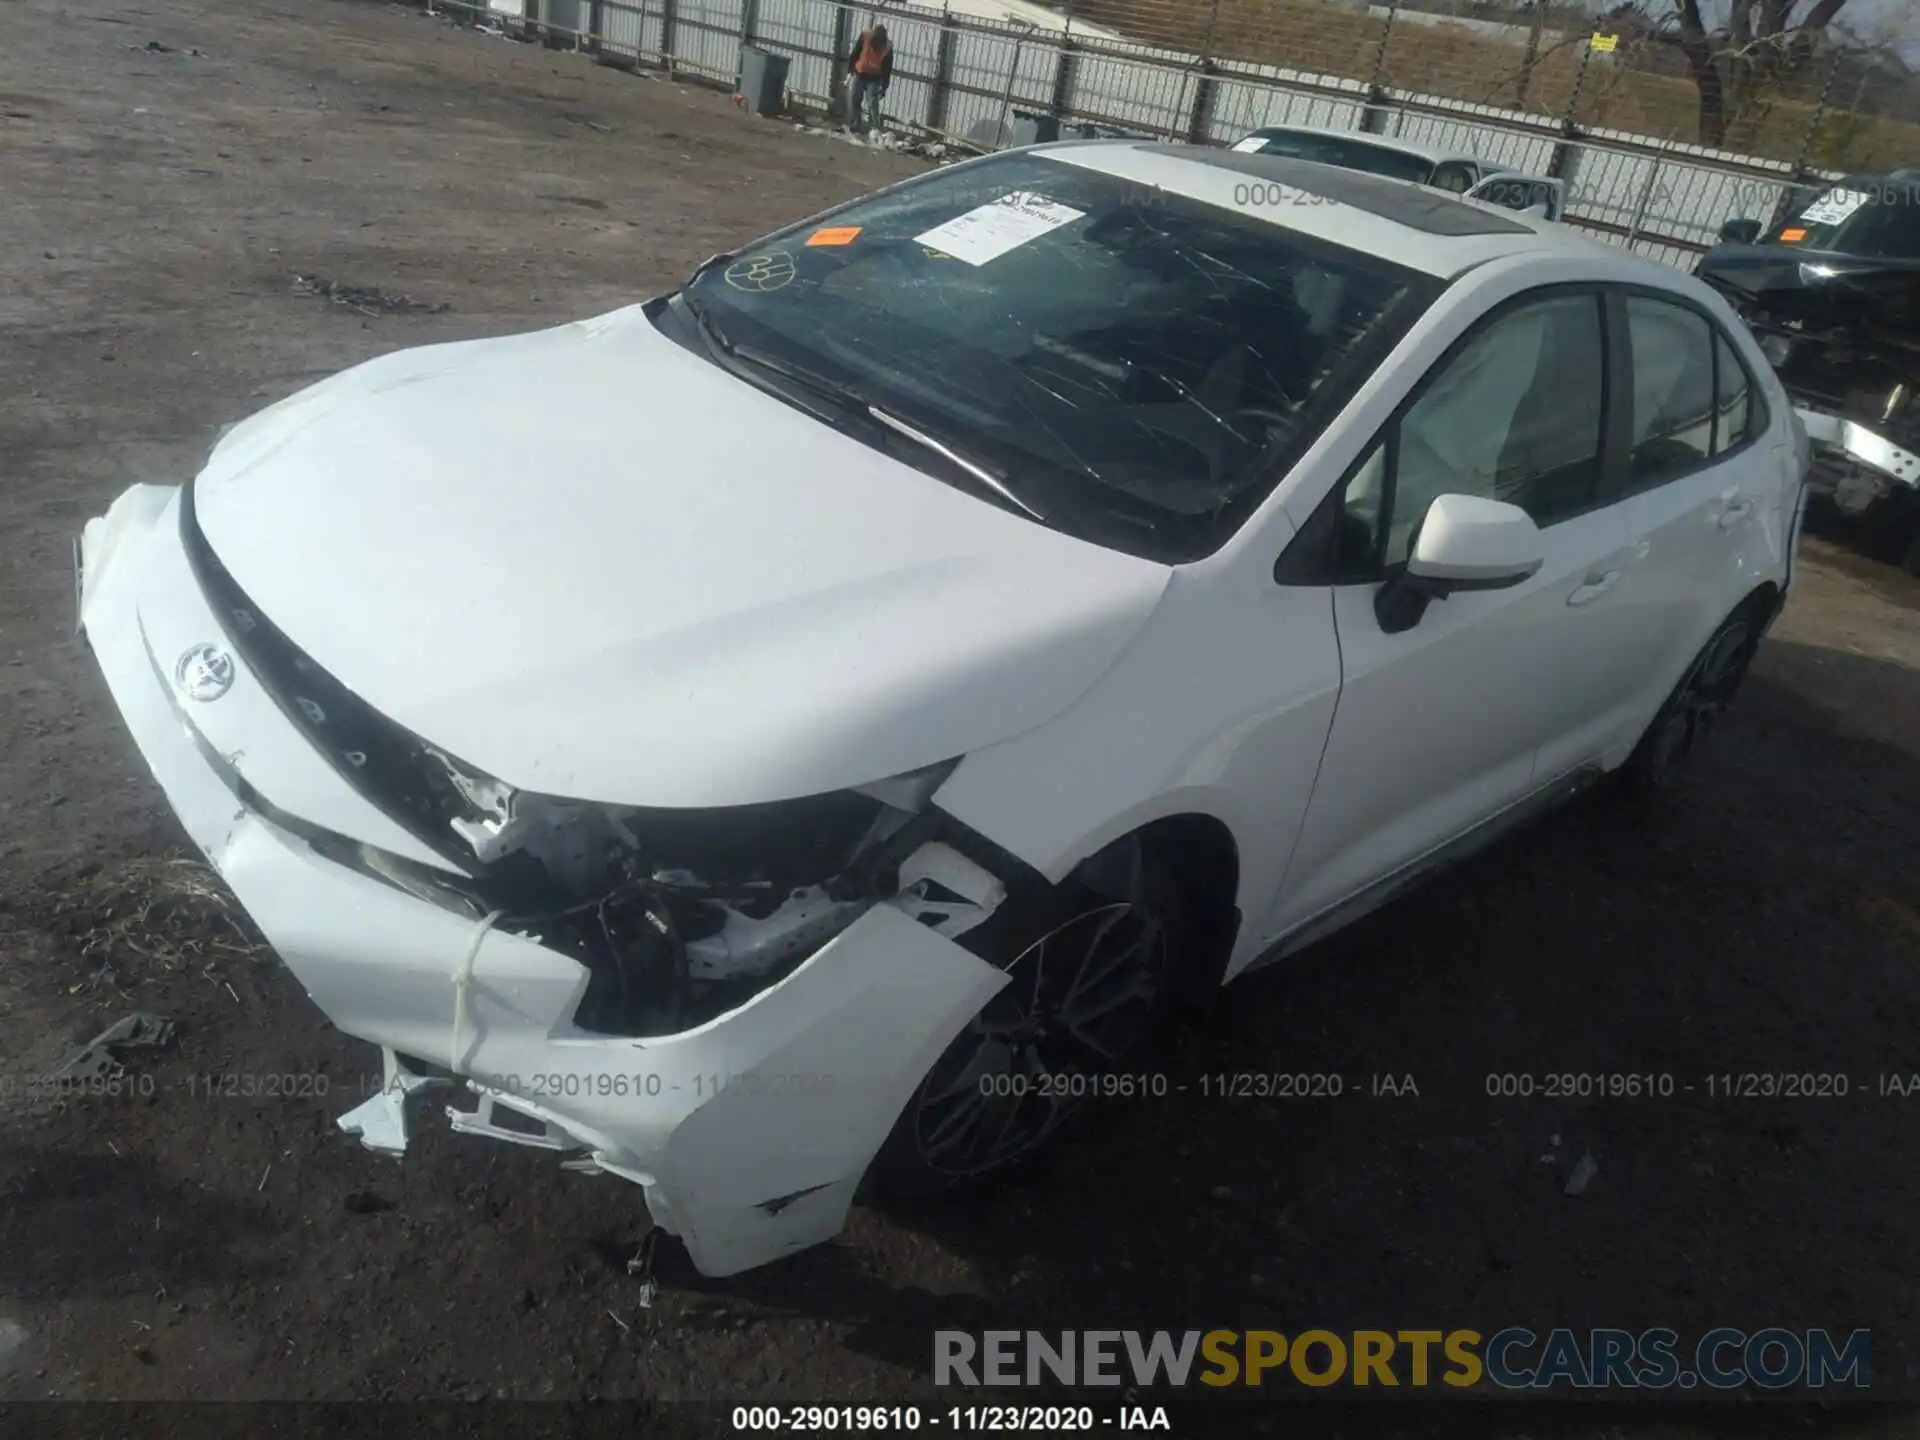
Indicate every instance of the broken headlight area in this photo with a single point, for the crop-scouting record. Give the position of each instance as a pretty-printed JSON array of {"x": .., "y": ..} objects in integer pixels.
[
  {"x": 681, "y": 915},
  {"x": 678, "y": 915}
]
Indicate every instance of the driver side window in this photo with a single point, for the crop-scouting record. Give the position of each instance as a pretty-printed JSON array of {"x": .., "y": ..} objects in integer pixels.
[{"x": 1514, "y": 412}]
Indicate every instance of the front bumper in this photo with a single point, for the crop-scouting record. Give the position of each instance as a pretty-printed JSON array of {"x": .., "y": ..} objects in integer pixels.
[
  {"x": 747, "y": 1134},
  {"x": 1849, "y": 452}
]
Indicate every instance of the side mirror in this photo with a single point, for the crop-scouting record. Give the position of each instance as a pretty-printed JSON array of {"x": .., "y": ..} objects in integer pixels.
[
  {"x": 1465, "y": 542},
  {"x": 1740, "y": 232}
]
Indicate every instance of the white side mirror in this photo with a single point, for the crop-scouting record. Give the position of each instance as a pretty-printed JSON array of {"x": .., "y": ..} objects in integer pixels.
[
  {"x": 1470, "y": 542},
  {"x": 1466, "y": 542}
]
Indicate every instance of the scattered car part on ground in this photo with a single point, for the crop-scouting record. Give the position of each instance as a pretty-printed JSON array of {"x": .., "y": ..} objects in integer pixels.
[
  {"x": 1832, "y": 290},
  {"x": 849, "y": 780},
  {"x": 100, "y": 1057}
]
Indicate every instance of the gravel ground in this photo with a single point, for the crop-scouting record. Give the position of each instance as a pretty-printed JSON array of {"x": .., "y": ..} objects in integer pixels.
[{"x": 167, "y": 216}]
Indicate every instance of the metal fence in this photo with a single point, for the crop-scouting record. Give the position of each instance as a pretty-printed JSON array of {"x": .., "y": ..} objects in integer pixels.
[{"x": 970, "y": 76}]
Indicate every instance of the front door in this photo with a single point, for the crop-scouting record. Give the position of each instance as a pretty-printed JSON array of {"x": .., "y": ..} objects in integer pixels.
[{"x": 1439, "y": 727}]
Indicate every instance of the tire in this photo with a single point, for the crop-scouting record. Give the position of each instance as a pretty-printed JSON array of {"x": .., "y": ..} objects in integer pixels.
[
  {"x": 1092, "y": 981},
  {"x": 1696, "y": 704}
]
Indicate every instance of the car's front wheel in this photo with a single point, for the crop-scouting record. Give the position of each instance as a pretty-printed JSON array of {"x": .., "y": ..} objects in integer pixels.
[{"x": 1090, "y": 977}]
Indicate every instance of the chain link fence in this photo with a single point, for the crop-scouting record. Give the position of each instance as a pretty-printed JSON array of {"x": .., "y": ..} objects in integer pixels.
[{"x": 1610, "y": 104}]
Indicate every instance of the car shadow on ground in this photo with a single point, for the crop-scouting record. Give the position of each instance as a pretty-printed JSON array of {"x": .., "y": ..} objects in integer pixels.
[
  {"x": 75, "y": 1226},
  {"x": 1760, "y": 921}
]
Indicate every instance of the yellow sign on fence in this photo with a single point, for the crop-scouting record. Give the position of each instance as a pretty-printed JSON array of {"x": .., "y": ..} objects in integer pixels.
[{"x": 1604, "y": 43}]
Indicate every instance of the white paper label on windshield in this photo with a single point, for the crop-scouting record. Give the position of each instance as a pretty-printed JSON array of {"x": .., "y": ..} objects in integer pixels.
[
  {"x": 1252, "y": 145},
  {"x": 1833, "y": 207},
  {"x": 991, "y": 230}
]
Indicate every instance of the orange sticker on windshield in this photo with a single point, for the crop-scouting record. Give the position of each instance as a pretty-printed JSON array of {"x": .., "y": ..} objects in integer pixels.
[
  {"x": 836, "y": 235},
  {"x": 1792, "y": 237}
]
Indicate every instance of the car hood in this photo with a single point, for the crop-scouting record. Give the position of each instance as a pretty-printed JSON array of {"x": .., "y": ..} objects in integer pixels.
[{"x": 595, "y": 565}]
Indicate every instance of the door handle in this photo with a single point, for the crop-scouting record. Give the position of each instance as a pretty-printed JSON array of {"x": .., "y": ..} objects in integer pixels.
[
  {"x": 1734, "y": 512},
  {"x": 1593, "y": 588}
]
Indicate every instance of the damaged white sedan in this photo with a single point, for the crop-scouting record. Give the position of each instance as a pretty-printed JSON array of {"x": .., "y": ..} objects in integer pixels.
[{"x": 812, "y": 725}]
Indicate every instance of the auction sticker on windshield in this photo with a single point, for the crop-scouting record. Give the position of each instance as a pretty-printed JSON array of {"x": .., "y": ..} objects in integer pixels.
[
  {"x": 989, "y": 231},
  {"x": 1833, "y": 207}
]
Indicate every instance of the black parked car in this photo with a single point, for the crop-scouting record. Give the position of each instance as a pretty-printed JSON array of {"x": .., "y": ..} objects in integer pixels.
[{"x": 1831, "y": 288}]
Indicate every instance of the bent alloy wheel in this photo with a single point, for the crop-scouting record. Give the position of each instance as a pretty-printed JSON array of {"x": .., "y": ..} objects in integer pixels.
[
  {"x": 1083, "y": 993},
  {"x": 1696, "y": 703}
]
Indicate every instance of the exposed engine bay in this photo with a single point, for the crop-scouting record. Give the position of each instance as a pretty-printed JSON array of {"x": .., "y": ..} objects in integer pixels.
[{"x": 1833, "y": 297}]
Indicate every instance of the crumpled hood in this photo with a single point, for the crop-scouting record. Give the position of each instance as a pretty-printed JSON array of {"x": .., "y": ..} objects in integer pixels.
[
  {"x": 1793, "y": 280},
  {"x": 595, "y": 565}
]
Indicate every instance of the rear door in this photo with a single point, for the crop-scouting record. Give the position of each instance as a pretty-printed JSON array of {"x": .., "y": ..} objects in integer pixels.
[{"x": 1708, "y": 493}]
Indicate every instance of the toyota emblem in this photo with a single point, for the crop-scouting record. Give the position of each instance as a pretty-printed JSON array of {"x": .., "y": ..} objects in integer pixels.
[{"x": 204, "y": 673}]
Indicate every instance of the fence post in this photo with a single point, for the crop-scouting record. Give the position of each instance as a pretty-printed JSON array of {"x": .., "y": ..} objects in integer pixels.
[
  {"x": 1565, "y": 164},
  {"x": 1374, "y": 118},
  {"x": 1200, "y": 113},
  {"x": 1535, "y": 32},
  {"x": 1579, "y": 82},
  {"x": 837, "y": 69},
  {"x": 1820, "y": 113},
  {"x": 1199, "y": 105},
  {"x": 942, "y": 73},
  {"x": 1005, "y": 134},
  {"x": 1066, "y": 74},
  {"x": 749, "y": 18},
  {"x": 1646, "y": 200},
  {"x": 666, "y": 35}
]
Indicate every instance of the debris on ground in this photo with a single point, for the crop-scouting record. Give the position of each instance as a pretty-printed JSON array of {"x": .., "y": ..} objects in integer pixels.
[
  {"x": 641, "y": 1268},
  {"x": 1583, "y": 1173},
  {"x": 899, "y": 142},
  {"x": 367, "y": 299},
  {"x": 155, "y": 47},
  {"x": 365, "y": 1202},
  {"x": 100, "y": 1057},
  {"x": 170, "y": 911}
]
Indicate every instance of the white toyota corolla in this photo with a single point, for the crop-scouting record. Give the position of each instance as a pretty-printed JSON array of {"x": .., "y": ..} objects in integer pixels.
[{"x": 810, "y": 726}]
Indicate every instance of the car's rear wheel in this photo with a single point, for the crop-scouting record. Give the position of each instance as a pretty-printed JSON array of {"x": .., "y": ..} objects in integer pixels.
[
  {"x": 1697, "y": 702},
  {"x": 1090, "y": 977}
]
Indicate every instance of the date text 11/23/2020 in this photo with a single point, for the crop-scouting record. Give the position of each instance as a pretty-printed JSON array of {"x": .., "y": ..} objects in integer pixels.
[{"x": 906, "y": 1419}]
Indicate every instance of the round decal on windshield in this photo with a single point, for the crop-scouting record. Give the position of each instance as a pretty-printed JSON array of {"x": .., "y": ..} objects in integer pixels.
[{"x": 761, "y": 272}]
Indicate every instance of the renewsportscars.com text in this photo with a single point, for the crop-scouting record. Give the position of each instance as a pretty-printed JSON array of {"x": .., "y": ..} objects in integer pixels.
[{"x": 1514, "y": 1358}]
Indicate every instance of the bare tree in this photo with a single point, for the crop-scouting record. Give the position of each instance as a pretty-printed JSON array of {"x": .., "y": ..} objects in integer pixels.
[{"x": 1763, "y": 46}]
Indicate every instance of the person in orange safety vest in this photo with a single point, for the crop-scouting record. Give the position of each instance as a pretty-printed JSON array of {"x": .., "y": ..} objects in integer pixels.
[{"x": 869, "y": 72}]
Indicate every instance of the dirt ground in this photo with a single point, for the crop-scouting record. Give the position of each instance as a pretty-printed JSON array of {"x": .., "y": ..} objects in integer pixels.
[{"x": 157, "y": 208}]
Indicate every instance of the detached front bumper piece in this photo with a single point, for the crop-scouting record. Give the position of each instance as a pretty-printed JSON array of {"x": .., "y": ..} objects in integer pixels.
[
  {"x": 746, "y": 1134},
  {"x": 1854, "y": 446}
]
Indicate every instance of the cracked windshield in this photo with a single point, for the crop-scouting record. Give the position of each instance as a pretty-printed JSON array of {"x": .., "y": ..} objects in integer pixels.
[{"x": 1128, "y": 365}]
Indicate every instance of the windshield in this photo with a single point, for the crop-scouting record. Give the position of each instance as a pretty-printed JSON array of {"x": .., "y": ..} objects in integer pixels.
[
  {"x": 1339, "y": 150},
  {"x": 1876, "y": 221},
  {"x": 1137, "y": 367}
]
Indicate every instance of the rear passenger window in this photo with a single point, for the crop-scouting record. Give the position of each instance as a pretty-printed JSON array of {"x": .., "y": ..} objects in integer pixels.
[
  {"x": 1674, "y": 403},
  {"x": 1735, "y": 417}
]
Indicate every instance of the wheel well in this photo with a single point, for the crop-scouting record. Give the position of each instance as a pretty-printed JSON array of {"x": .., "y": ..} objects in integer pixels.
[
  {"x": 1764, "y": 598},
  {"x": 1200, "y": 852}
]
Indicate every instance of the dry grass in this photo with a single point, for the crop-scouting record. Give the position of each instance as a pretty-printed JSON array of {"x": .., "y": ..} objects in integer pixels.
[
  {"x": 1639, "y": 92},
  {"x": 141, "y": 920}
]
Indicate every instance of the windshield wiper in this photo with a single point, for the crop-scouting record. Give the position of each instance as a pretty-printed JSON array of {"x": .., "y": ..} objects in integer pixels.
[
  {"x": 953, "y": 457},
  {"x": 849, "y": 403}
]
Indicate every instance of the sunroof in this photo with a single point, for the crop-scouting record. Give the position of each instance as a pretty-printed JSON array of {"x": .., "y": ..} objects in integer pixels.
[{"x": 1399, "y": 201}]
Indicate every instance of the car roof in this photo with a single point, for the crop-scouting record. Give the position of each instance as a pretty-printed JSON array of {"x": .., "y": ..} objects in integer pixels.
[
  {"x": 1409, "y": 224},
  {"x": 1434, "y": 153}
]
